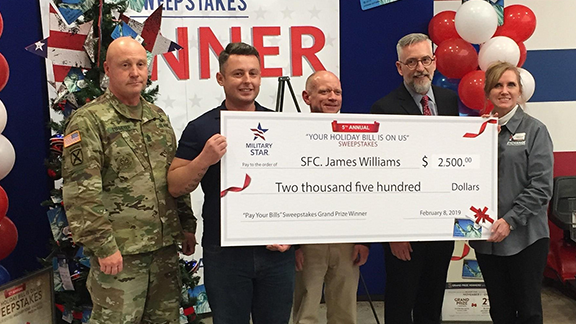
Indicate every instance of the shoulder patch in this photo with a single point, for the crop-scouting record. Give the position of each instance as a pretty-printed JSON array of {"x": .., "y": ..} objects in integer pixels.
[
  {"x": 72, "y": 138},
  {"x": 76, "y": 157}
]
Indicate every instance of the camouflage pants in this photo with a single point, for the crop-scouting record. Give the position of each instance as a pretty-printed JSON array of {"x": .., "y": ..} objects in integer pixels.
[{"x": 146, "y": 291}]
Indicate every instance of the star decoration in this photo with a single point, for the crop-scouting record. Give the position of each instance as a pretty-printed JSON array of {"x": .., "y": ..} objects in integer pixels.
[
  {"x": 39, "y": 45},
  {"x": 64, "y": 47},
  {"x": 153, "y": 42}
]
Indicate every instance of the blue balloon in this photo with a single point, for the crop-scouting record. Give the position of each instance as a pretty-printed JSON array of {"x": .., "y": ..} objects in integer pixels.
[
  {"x": 444, "y": 82},
  {"x": 4, "y": 275}
]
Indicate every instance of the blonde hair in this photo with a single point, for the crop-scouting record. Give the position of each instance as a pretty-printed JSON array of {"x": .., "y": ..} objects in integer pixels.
[{"x": 494, "y": 73}]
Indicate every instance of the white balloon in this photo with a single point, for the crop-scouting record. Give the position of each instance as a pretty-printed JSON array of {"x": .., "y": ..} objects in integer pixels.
[
  {"x": 499, "y": 48},
  {"x": 528, "y": 84},
  {"x": 3, "y": 116},
  {"x": 476, "y": 21},
  {"x": 7, "y": 156}
]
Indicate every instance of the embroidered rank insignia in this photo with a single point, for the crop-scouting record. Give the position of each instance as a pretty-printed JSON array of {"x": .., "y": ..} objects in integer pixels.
[
  {"x": 72, "y": 138},
  {"x": 76, "y": 157}
]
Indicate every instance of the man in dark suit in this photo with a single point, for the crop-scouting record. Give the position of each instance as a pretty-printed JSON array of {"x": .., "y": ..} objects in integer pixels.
[{"x": 416, "y": 271}]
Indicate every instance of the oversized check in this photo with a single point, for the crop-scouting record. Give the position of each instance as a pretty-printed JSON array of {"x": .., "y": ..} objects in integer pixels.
[{"x": 327, "y": 178}]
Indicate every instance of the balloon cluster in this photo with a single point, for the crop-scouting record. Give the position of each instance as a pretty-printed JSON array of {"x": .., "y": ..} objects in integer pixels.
[
  {"x": 8, "y": 232},
  {"x": 461, "y": 68}
]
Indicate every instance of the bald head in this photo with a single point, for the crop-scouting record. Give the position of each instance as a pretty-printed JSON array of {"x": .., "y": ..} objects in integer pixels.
[
  {"x": 127, "y": 69},
  {"x": 323, "y": 92},
  {"x": 123, "y": 44}
]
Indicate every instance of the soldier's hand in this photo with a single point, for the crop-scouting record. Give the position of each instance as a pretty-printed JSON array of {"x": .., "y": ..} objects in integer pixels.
[
  {"x": 189, "y": 244},
  {"x": 214, "y": 149},
  {"x": 112, "y": 264}
]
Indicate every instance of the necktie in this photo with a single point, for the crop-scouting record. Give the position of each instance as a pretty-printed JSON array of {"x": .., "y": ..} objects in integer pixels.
[{"x": 425, "y": 108}]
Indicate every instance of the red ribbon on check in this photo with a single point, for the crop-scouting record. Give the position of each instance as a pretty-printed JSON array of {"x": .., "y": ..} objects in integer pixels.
[
  {"x": 481, "y": 215},
  {"x": 482, "y": 128},
  {"x": 247, "y": 180}
]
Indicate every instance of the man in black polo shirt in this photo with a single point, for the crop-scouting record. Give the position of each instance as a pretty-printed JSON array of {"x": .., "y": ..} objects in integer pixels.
[{"x": 240, "y": 281}]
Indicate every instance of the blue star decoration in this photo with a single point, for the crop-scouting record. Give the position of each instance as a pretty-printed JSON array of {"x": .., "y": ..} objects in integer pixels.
[{"x": 259, "y": 132}]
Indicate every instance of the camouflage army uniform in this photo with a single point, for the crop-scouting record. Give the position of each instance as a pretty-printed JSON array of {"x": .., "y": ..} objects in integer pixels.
[{"x": 116, "y": 198}]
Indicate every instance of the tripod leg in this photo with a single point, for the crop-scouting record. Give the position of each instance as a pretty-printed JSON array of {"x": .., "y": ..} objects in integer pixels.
[
  {"x": 293, "y": 95},
  {"x": 281, "y": 94},
  {"x": 279, "y": 97},
  {"x": 369, "y": 298}
]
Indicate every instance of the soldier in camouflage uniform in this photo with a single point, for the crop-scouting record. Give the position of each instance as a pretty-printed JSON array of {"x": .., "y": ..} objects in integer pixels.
[{"x": 117, "y": 152}]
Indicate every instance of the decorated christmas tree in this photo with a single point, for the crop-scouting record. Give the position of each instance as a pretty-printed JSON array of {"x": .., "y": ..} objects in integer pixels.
[{"x": 80, "y": 33}]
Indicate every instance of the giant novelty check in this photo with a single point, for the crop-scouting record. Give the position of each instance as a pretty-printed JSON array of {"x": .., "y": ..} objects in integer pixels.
[{"x": 331, "y": 178}]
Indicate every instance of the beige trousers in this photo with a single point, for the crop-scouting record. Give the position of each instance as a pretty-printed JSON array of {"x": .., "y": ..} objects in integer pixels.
[{"x": 329, "y": 264}]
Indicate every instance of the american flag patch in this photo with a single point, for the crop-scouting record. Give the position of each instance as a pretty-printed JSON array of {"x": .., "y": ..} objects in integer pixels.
[{"x": 72, "y": 138}]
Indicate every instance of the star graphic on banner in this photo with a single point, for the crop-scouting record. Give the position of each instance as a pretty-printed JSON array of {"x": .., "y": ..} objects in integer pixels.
[
  {"x": 275, "y": 40},
  {"x": 287, "y": 13},
  {"x": 192, "y": 43},
  {"x": 260, "y": 13},
  {"x": 195, "y": 101},
  {"x": 168, "y": 102},
  {"x": 330, "y": 40},
  {"x": 39, "y": 45},
  {"x": 314, "y": 12}
]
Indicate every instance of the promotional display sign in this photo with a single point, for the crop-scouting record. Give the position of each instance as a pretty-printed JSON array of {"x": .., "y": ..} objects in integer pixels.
[
  {"x": 28, "y": 300},
  {"x": 466, "y": 302},
  {"x": 465, "y": 297},
  {"x": 322, "y": 178}
]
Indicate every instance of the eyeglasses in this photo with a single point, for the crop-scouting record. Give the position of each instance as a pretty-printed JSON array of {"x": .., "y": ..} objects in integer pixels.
[{"x": 413, "y": 63}]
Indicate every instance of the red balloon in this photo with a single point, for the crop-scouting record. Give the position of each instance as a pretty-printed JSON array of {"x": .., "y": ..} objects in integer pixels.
[
  {"x": 523, "y": 53},
  {"x": 519, "y": 23},
  {"x": 4, "y": 72},
  {"x": 441, "y": 27},
  {"x": 456, "y": 57},
  {"x": 1, "y": 25},
  {"x": 471, "y": 91},
  {"x": 3, "y": 202},
  {"x": 8, "y": 237}
]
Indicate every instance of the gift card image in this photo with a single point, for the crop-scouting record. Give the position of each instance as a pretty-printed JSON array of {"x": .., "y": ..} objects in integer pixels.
[
  {"x": 471, "y": 270},
  {"x": 464, "y": 227}
]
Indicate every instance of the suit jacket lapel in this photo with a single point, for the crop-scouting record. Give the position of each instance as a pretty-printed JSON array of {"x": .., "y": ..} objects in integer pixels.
[
  {"x": 407, "y": 102},
  {"x": 441, "y": 104}
]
